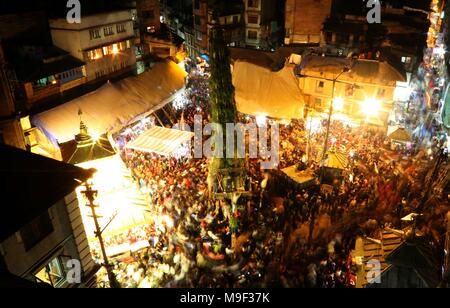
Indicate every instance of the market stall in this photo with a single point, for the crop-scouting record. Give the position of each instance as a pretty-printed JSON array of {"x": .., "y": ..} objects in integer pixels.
[{"x": 161, "y": 140}]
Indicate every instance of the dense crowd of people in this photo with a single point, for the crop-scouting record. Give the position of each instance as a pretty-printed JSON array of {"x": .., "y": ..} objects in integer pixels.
[{"x": 289, "y": 235}]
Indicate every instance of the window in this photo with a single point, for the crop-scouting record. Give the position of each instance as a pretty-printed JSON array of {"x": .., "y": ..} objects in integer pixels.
[
  {"x": 148, "y": 14},
  {"x": 120, "y": 28},
  {"x": 197, "y": 20},
  {"x": 94, "y": 34},
  {"x": 319, "y": 86},
  {"x": 95, "y": 54},
  {"x": 36, "y": 230},
  {"x": 235, "y": 19},
  {"x": 197, "y": 4},
  {"x": 380, "y": 93},
  {"x": 253, "y": 19},
  {"x": 128, "y": 44},
  {"x": 252, "y": 3},
  {"x": 55, "y": 271},
  {"x": 151, "y": 29},
  {"x": 328, "y": 37},
  {"x": 406, "y": 60},
  {"x": 349, "y": 90},
  {"x": 252, "y": 35},
  {"x": 199, "y": 36},
  {"x": 108, "y": 31}
]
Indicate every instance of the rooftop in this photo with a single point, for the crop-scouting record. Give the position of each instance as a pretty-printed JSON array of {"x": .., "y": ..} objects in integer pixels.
[
  {"x": 32, "y": 184},
  {"x": 52, "y": 60},
  {"x": 362, "y": 71}
]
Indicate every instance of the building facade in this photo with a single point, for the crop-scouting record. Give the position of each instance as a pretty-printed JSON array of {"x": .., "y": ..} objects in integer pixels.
[
  {"x": 43, "y": 237},
  {"x": 260, "y": 19},
  {"x": 105, "y": 42},
  {"x": 304, "y": 20},
  {"x": 365, "y": 94},
  {"x": 200, "y": 12},
  {"x": 11, "y": 131}
]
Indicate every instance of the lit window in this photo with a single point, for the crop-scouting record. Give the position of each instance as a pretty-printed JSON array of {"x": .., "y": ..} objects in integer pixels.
[
  {"x": 95, "y": 54},
  {"x": 115, "y": 49},
  {"x": 406, "y": 60}
]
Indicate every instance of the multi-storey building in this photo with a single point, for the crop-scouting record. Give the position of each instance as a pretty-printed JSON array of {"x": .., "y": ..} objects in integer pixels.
[
  {"x": 304, "y": 19},
  {"x": 364, "y": 93},
  {"x": 42, "y": 238},
  {"x": 260, "y": 23},
  {"x": 178, "y": 17},
  {"x": 105, "y": 42},
  {"x": 11, "y": 131},
  {"x": 200, "y": 10},
  {"x": 44, "y": 73},
  {"x": 231, "y": 19},
  {"x": 149, "y": 15},
  {"x": 400, "y": 38}
]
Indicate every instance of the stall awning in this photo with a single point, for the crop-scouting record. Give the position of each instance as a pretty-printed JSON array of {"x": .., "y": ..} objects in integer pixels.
[
  {"x": 160, "y": 140},
  {"x": 401, "y": 135},
  {"x": 336, "y": 160},
  {"x": 114, "y": 105}
]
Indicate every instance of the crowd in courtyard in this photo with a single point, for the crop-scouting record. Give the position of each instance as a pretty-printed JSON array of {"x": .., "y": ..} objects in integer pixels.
[{"x": 289, "y": 235}]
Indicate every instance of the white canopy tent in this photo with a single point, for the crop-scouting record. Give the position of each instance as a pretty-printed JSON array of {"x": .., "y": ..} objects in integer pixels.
[
  {"x": 114, "y": 105},
  {"x": 161, "y": 140},
  {"x": 118, "y": 198},
  {"x": 262, "y": 92}
]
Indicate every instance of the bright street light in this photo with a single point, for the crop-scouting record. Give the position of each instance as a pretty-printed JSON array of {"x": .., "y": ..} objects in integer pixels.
[
  {"x": 371, "y": 107},
  {"x": 338, "y": 103}
]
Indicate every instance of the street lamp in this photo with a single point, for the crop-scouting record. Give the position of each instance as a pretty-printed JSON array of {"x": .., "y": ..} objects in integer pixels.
[
  {"x": 371, "y": 107},
  {"x": 90, "y": 195},
  {"x": 325, "y": 147},
  {"x": 338, "y": 103}
]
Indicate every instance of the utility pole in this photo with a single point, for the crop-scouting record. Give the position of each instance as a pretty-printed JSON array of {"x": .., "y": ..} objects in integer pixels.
[
  {"x": 91, "y": 195},
  {"x": 330, "y": 113}
]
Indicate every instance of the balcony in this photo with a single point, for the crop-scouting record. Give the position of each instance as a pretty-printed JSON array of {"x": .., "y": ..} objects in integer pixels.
[{"x": 37, "y": 94}]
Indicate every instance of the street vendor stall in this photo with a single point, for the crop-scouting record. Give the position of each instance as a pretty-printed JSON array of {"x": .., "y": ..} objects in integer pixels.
[
  {"x": 161, "y": 140},
  {"x": 399, "y": 137},
  {"x": 334, "y": 164}
]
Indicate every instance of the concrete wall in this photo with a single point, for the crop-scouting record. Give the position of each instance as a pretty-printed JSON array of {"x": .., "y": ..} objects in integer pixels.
[
  {"x": 253, "y": 11},
  {"x": 143, "y": 6},
  {"x": 304, "y": 20},
  {"x": 76, "y": 39},
  {"x": 67, "y": 238},
  {"x": 201, "y": 30},
  {"x": 110, "y": 64},
  {"x": 352, "y": 104}
]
